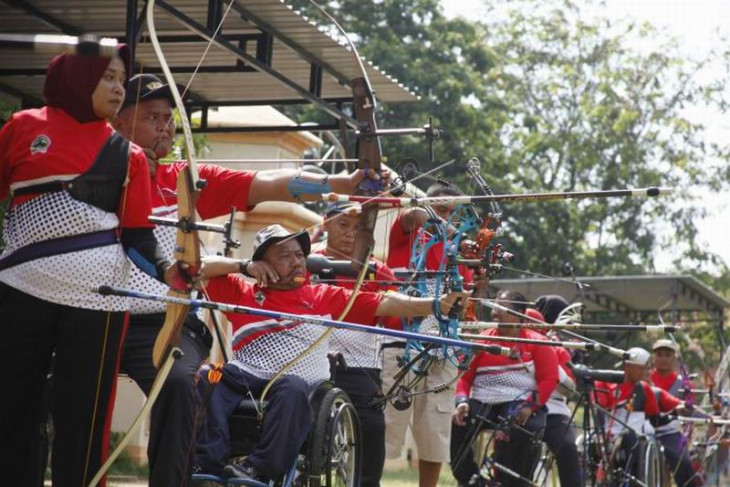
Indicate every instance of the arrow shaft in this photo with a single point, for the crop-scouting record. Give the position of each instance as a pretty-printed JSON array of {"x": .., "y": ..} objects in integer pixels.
[
  {"x": 488, "y": 325},
  {"x": 238, "y": 309},
  {"x": 547, "y": 343},
  {"x": 466, "y": 200}
]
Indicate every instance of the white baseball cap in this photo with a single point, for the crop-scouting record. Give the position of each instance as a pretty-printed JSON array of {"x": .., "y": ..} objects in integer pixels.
[{"x": 637, "y": 356}]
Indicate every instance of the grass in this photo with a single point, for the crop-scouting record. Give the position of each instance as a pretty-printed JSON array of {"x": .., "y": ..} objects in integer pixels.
[
  {"x": 408, "y": 477},
  {"x": 124, "y": 466}
]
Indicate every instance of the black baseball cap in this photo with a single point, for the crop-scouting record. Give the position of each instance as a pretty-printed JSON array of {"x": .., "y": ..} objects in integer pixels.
[{"x": 143, "y": 87}]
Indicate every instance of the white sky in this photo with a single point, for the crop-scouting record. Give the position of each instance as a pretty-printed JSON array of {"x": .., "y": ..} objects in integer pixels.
[{"x": 696, "y": 24}]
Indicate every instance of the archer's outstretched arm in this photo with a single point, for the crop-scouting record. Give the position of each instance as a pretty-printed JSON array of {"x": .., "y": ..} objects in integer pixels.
[
  {"x": 401, "y": 305},
  {"x": 295, "y": 185}
]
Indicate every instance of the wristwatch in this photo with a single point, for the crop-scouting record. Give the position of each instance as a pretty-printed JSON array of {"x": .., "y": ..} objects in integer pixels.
[{"x": 243, "y": 265}]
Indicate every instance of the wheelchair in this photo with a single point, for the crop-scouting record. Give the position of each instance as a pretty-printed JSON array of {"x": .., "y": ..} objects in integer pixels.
[
  {"x": 640, "y": 461},
  {"x": 481, "y": 450},
  {"x": 330, "y": 457},
  {"x": 545, "y": 473}
]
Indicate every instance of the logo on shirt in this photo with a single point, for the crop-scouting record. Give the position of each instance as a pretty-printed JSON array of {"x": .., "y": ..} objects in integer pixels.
[
  {"x": 40, "y": 144},
  {"x": 260, "y": 298}
]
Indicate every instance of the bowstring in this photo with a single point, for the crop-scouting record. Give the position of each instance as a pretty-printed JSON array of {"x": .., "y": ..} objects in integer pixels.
[{"x": 202, "y": 287}]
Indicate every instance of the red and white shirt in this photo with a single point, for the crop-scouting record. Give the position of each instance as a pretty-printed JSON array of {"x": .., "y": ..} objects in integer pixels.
[
  {"x": 360, "y": 349},
  {"x": 632, "y": 404},
  {"x": 224, "y": 188},
  {"x": 556, "y": 404},
  {"x": 44, "y": 145},
  {"x": 531, "y": 373},
  {"x": 262, "y": 346},
  {"x": 672, "y": 384},
  {"x": 400, "y": 245}
]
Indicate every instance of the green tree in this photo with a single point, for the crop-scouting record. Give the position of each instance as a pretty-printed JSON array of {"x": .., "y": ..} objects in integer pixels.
[{"x": 552, "y": 102}]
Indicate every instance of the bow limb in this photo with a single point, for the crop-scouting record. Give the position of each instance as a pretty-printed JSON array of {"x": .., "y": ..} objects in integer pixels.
[
  {"x": 187, "y": 242},
  {"x": 369, "y": 152},
  {"x": 165, "y": 350}
]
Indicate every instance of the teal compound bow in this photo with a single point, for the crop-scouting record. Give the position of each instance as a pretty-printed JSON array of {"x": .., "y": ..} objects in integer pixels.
[{"x": 418, "y": 359}]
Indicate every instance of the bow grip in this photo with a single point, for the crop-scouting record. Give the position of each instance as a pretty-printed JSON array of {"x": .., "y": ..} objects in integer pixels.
[{"x": 371, "y": 186}]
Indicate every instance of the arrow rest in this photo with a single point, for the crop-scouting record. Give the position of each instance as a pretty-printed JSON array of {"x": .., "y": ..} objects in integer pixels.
[{"x": 403, "y": 398}]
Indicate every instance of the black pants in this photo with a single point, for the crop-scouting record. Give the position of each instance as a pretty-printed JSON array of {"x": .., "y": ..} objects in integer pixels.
[
  {"x": 559, "y": 438},
  {"x": 172, "y": 439},
  {"x": 677, "y": 454},
  {"x": 87, "y": 345},
  {"x": 363, "y": 385},
  {"x": 287, "y": 422},
  {"x": 519, "y": 454}
]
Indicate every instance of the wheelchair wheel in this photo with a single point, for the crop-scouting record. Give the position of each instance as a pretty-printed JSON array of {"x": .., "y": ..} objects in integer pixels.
[
  {"x": 650, "y": 464},
  {"x": 546, "y": 471},
  {"x": 334, "y": 448}
]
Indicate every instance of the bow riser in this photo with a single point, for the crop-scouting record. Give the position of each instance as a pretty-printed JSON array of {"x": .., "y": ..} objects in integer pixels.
[
  {"x": 187, "y": 250},
  {"x": 369, "y": 155}
]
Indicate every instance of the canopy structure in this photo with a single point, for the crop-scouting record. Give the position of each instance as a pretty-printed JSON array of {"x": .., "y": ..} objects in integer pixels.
[
  {"x": 638, "y": 299},
  {"x": 263, "y": 53}
]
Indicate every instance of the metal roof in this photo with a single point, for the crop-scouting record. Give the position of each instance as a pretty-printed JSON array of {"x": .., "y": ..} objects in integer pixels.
[
  {"x": 264, "y": 53},
  {"x": 638, "y": 298}
]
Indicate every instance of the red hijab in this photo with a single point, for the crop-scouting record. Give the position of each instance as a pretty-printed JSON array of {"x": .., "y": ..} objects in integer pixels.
[{"x": 72, "y": 79}]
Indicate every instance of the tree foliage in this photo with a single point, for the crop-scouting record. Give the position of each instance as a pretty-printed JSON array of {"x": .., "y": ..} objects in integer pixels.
[{"x": 550, "y": 101}]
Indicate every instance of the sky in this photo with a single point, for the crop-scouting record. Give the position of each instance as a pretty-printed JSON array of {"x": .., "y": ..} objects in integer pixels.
[{"x": 696, "y": 24}]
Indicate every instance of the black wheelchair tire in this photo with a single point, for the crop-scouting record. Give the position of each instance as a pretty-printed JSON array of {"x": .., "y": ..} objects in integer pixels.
[
  {"x": 336, "y": 415},
  {"x": 651, "y": 465}
]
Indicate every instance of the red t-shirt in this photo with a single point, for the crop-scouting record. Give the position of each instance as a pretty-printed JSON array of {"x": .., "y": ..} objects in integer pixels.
[
  {"x": 69, "y": 149},
  {"x": 664, "y": 382},
  {"x": 502, "y": 378},
  {"x": 224, "y": 188},
  {"x": 611, "y": 396},
  {"x": 563, "y": 357},
  {"x": 359, "y": 350},
  {"x": 400, "y": 245},
  {"x": 264, "y": 345},
  {"x": 312, "y": 300}
]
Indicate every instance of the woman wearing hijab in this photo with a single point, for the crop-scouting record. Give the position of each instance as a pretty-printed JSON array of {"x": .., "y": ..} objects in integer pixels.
[{"x": 80, "y": 198}]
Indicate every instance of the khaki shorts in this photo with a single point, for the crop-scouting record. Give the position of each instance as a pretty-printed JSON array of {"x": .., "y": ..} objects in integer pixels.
[{"x": 429, "y": 416}]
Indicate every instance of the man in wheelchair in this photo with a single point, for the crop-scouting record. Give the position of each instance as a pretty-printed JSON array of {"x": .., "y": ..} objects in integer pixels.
[
  {"x": 507, "y": 394},
  {"x": 635, "y": 412},
  {"x": 263, "y": 346}
]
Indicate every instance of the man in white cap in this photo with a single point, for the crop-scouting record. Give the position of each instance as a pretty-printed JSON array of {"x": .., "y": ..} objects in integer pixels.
[
  {"x": 262, "y": 346},
  {"x": 633, "y": 405},
  {"x": 665, "y": 379}
]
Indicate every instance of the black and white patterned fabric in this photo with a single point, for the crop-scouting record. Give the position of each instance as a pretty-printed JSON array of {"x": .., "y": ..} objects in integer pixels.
[
  {"x": 66, "y": 279},
  {"x": 268, "y": 353},
  {"x": 504, "y": 383},
  {"x": 357, "y": 348}
]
